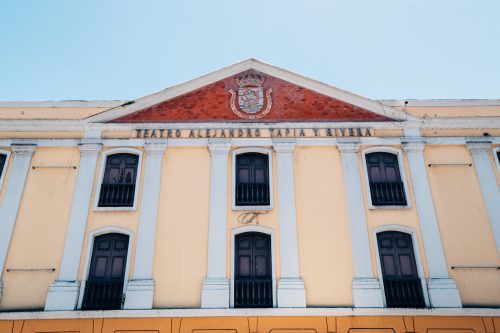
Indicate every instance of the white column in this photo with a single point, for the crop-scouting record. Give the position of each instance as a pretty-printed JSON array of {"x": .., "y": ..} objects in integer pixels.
[
  {"x": 22, "y": 154},
  {"x": 291, "y": 290},
  {"x": 140, "y": 290},
  {"x": 215, "y": 291},
  {"x": 443, "y": 291},
  {"x": 366, "y": 291},
  {"x": 63, "y": 293},
  {"x": 481, "y": 151}
]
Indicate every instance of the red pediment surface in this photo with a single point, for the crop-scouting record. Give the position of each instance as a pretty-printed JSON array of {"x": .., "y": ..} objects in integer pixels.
[{"x": 290, "y": 103}]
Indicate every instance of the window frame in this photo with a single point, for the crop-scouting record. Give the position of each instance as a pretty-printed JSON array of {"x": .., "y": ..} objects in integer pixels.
[
  {"x": 402, "y": 173},
  {"x": 259, "y": 150},
  {"x": 102, "y": 166},
  {"x": 88, "y": 257},
  {"x": 418, "y": 258},
  {"x": 3, "y": 174},
  {"x": 496, "y": 150},
  {"x": 263, "y": 230}
]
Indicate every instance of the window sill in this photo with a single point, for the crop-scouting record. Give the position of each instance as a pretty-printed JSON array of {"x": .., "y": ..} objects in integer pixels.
[
  {"x": 393, "y": 207},
  {"x": 115, "y": 209},
  {"x": 246, "y": 208}
]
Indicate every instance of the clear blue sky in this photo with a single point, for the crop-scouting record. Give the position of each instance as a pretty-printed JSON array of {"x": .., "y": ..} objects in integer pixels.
[{"x": 124, "y": 49}]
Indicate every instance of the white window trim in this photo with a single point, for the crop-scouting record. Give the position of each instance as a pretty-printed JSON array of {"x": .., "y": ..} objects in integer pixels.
[
  {"x": 102, "y": 167},
  {"x": 402, "y": 172},
  {"x": 495, "y": 157},
  {"x": 90, "y": 245},
  {"x": 253, "y": 228},
  {"x": 416, "y": 249},
  {"x": 259, "y": 150},
  {"x": 6, "y": 165}
]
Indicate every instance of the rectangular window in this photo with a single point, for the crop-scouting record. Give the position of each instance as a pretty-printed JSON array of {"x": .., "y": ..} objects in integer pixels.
[{"x": 252, "y": 180}]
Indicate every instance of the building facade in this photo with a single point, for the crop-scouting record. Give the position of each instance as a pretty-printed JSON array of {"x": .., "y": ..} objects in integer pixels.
[{"x": 250, "y": 199}]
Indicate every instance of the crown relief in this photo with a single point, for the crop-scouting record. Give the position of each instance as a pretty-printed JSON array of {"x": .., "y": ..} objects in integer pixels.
[{"x": 250, "y": 79}]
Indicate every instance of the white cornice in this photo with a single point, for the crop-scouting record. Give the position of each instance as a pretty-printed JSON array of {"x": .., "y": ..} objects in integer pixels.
[
  {"x": 78, "y": 125},
  {"x": 225, "y": 72},
  {"x": 61, "y": 104},
  {"x": 175, "y": 313},
  {"x": 440, "y": 102}
]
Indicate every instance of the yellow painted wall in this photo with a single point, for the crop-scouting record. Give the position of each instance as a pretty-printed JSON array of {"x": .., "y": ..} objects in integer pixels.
[
  {"x": 180, "y": 263},
  {"x": 463, "y": 221},
  {"x": 40, "y": 229},
  {"x": 323, "y": 228}
]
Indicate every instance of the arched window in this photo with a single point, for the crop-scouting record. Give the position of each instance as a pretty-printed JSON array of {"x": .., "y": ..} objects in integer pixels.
[
  {"x": 119, "y": 181},
  {"x": 252, "y": 180},
  {"x": 253, "y": 283},
  {"x": 104, "y": 285},
  {"x": 384, "y": 176},
  {"x": 402, "y": 285}
]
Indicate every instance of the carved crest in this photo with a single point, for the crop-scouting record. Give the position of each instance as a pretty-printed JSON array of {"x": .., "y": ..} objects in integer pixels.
[{"x": 251, "y": 97}]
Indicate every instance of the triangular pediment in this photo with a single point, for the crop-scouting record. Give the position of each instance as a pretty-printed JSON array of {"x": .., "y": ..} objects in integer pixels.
[{"x": 251, "y": 91}]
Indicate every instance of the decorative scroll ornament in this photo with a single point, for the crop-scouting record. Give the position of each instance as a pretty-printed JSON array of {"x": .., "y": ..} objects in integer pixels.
[
  {"x": 251, "y": 97},
  {"x": 249, "y": 218}
]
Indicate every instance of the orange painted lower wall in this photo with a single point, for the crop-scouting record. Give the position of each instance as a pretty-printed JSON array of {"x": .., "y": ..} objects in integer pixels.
[{"x": 264, "y": 324}]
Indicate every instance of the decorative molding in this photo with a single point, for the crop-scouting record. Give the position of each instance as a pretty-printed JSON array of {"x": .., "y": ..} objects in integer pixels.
[
  {"x": 414, "y": 147},
  {"x": 23, "y": 148},
  {"x": 284, "y": 145},
  {"x": 476, "y": 145},
  {"x": 348, "y": 147},
  {"x": 219, "y": 146},
  {"x": 259, "y": 150}
]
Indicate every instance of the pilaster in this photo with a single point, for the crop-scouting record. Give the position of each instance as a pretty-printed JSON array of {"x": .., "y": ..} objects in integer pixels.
[
  {"x": 366, "y": 289},
  {"x": 215, "y": 291},
  {"x": 140, "y": 290},
  {"x": 63, "y": 293},
  {"x": 291, "y": 290},
  {"x": 443, "y": 291},
  {"x": 481, "y": 150},
  {"x": 9, "y": 208}
]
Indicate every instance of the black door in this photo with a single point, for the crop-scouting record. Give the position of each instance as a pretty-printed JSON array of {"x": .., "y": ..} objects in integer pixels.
[
  {"x": 402, "y": 285},
  {"x": 253, "y": 286},
  {"x": 104, "y": 286}
]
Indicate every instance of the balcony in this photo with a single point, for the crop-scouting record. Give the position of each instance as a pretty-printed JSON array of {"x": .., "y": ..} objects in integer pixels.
[
  {"x": 253, "y": 293},
  {"x": 403, "y": 293},
  {"x": 252, "y": 195},
  {"x": 117, "y": 195},
  {"x": 388, "y": 194},
  {"x": 102, "y": 295}
]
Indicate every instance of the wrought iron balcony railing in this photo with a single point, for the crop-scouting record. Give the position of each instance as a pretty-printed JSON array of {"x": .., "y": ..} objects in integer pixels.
[
  {"x": 252, "y": 195},
  {"x": 102, "y": 295},
  {"x": 385, "y": 194},
  {"x": 117, "y": 195},
  {"x": 253, "y": 293},
  {"x": 403, "y": 293}
]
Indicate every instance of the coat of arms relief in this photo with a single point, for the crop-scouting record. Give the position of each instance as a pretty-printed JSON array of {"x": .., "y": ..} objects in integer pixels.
[{"x": 251, "y": 97}]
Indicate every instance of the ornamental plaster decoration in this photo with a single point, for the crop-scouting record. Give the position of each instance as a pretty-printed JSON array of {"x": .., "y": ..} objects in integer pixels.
[{"x": 251, "y": 97}]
